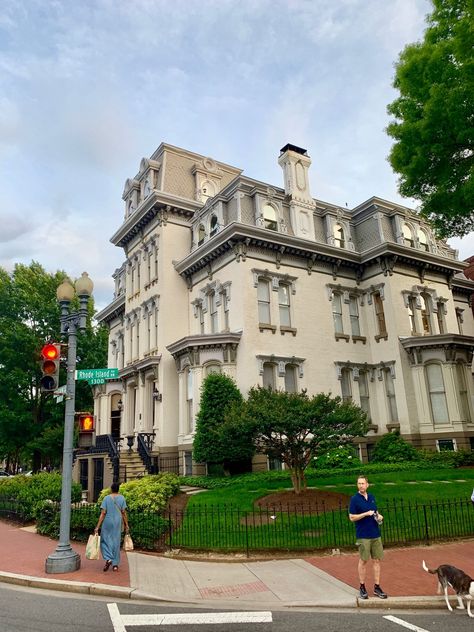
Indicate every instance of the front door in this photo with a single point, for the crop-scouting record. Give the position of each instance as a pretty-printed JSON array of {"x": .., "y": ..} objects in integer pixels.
[{"x": 115, "y": 423}]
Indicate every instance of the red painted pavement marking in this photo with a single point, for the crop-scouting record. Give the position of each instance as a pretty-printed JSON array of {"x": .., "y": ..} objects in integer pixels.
[{"x": 238, "y": 589}]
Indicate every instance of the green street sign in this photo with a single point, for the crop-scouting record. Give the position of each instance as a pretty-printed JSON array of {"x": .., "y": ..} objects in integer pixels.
[
  {"x": 96, "y": 374},
  {"x": 95, "y": 381}
]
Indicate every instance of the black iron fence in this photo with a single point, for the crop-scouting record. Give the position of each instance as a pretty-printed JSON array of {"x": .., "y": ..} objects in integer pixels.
[{"x": 227, "y": 528}]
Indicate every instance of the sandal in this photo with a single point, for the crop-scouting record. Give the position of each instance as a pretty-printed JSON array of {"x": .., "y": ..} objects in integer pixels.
[
  {"x": 115, "y": 568},
  {"x": 107, "y": 565}
]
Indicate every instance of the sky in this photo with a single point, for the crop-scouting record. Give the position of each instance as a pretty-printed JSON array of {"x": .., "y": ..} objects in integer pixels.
[{"x": 89, "y": 88}]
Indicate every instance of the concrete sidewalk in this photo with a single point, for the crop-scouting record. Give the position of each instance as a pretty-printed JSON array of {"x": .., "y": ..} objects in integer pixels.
[{"x": 313, "y": 581}]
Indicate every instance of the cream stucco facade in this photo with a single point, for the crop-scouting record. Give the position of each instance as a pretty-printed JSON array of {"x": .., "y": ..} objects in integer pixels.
[{"x": 275, "y": 287}]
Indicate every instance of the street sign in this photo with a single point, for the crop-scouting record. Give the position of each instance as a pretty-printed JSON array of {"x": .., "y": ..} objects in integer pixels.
[
  {"x": 59, "y": 393},
  {"x": 96, "y": 374},
  {"x": 95, "y": 381}
]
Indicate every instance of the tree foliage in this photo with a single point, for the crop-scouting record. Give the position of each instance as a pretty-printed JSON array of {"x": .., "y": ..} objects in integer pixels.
[
  {"x": 392, "y": 448},
  {"x": 215, "y": 441},
  {"x": 434, "y": 119},
  {"x": 31, "y": 423},
  {"x": 295, "y": 428}
]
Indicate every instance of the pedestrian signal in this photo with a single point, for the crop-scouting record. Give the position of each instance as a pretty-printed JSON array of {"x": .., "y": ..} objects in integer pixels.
[
  {"x": 86, "y": 425},
  {"x": 50, "y": 359}
]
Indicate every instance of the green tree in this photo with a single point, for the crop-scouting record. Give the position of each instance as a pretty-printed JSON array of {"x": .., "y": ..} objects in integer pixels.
[
  {"x": 295, "y": 428},
  {"x": 392, "y": 448},
  {"x": 434, "y": 119},
  {"x": 217, "y": 442},
  {"x": 31, "y": 422}
]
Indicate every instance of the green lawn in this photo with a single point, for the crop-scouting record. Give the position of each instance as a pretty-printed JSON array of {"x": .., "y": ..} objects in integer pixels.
[{"x": 417, "y": 505}]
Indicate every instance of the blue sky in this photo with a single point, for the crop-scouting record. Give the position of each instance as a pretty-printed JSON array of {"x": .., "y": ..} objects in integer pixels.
[{"x": 88, "y": 88}]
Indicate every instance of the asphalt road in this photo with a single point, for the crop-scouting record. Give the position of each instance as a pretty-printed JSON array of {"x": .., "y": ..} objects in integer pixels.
[{"x": 27, "y": 610}]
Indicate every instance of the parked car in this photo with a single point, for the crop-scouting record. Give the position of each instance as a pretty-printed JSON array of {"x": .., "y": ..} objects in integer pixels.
[{"x": 3, "y": 473}]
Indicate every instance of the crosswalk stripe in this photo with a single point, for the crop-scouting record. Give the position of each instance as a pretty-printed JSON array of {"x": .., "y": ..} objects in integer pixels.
[
  {"x": 404, "y": 624},
  {"x": 121, "y": 621}
]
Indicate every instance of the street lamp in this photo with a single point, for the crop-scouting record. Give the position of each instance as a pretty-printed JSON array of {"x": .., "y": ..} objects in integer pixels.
[{"x": 64, "y": 559}]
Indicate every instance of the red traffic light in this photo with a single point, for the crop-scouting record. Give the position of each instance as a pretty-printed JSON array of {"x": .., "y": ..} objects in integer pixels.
[
  {"x": 86, "y": 422},
  {"x": 50, "y": 351},
  {"x": 50, "y": 359}
]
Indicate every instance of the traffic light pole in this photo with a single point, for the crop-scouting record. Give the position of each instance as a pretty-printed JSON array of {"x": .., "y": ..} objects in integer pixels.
[{"x": 64, "y": 559}]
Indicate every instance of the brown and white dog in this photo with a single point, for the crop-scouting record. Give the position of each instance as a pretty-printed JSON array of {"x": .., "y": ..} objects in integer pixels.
[{"x": 462, "y": 584}]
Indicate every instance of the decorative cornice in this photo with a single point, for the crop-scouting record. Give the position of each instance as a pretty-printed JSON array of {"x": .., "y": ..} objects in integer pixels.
[
  {"x": 113, "y": 310},
  {"x": 203, "y": 341}
]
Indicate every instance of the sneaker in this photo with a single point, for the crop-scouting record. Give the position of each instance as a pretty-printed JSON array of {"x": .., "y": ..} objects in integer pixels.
[
  {"x": 363, "y": 594},
  {"x": 378, "y": 592}
]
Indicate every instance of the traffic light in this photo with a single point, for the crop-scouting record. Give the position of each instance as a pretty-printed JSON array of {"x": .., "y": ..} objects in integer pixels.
[
  {"x": 86, "y": 425},
  {"x": 50, "y": 358}
]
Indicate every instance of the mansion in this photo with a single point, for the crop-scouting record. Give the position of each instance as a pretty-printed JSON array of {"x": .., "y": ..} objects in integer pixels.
[{"x": 223, "y": 273}]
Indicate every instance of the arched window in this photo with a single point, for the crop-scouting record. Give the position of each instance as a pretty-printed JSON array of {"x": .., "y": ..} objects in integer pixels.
[
  {"x": 437, "y": 393},
  {"x": 201, "y": 234},
  {"x": 214, "y": 225},
  {"x": 213, "y": 368},
  {"x": 208, "y": 190},
  {"x": 269, "y": 375},
  {"x": 408, "y": 236},
  {"x": 269, "y": 217},
  {"x": 423, "y": 240},
  {"x": 290, "y": 378},
  {"x": 339, "y": 240}
]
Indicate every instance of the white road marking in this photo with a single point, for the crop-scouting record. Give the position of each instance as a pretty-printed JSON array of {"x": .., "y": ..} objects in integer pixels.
[
  {"x": 116, "y": 617},
  {"x": 405, "y": 624},
  {"x": 121, "y": 621}
]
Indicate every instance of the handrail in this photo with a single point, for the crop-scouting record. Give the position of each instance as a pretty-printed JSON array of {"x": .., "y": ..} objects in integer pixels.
[{"x": 144, "y": 447}]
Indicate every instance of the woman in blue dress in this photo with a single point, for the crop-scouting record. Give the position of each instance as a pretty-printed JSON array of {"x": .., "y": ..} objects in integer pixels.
[{"x": 113, "y": 512}]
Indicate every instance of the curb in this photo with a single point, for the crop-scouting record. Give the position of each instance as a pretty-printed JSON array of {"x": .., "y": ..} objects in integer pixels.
[{"x": 403, "y": 603}]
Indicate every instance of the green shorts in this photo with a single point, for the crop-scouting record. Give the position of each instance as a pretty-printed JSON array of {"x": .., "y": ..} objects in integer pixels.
[{"x": 370, "y": 548}]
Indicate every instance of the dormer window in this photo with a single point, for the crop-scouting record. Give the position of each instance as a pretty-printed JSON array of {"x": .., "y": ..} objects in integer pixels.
[
  {"x": 214, "y": 225},
  {"x": 201, "y": 234},
  {"x": 208, "y": 190},
  {"x": 339, "y": 240},
  {"x": 408, "y": 236},
  {"x": 269, "y": 217},
  {"x": 423, "y": 240}
]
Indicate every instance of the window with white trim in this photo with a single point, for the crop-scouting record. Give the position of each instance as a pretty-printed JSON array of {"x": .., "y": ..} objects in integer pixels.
[
  {"x": 263, "y": 296},
  {"x": 284, "y": 304},
  {"x": 412, "y": 314},
  {"x": 437, "y": 393},
  {"x": 339, "y": 238},
  {"x": 379, "y": 314},
  {"x": 337, "y": 313},
  {"x": 290, "y": 378},
  {"x": 443, "y": 445},
  {"x": 423, "y": 240},
  {"x": 346, "y": 388},
  {"x": 462, "y": 392},
  {"x": 212, "y": 367},
  {"x": 189, "y": 401},
  {"x": 390, "y": 394},
  {"x": 354, "y": 315},
  {"x": 270, "y": 220},
  {"x": 213, "y": 312},
  {"x": 268, "y": 377},
  {"x": 440, "y": 317},
  {"x": 214, "y": 225},
  {"x": 426, "y": 314},
  {"x": 364, "y": 395},
  {"x": 408, "y": 236}
]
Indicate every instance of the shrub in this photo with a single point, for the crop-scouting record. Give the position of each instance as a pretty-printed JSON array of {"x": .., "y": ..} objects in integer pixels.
[
  {"x": 344, "y": 456},
  {"x": 150, "y": 493},
  {"x": 32, "y": 491},
  {"x": 393, "y": 449}
]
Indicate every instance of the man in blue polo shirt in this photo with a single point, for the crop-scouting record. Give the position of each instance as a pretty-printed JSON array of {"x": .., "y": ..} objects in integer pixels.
[{"x": 363, "y": 511}]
